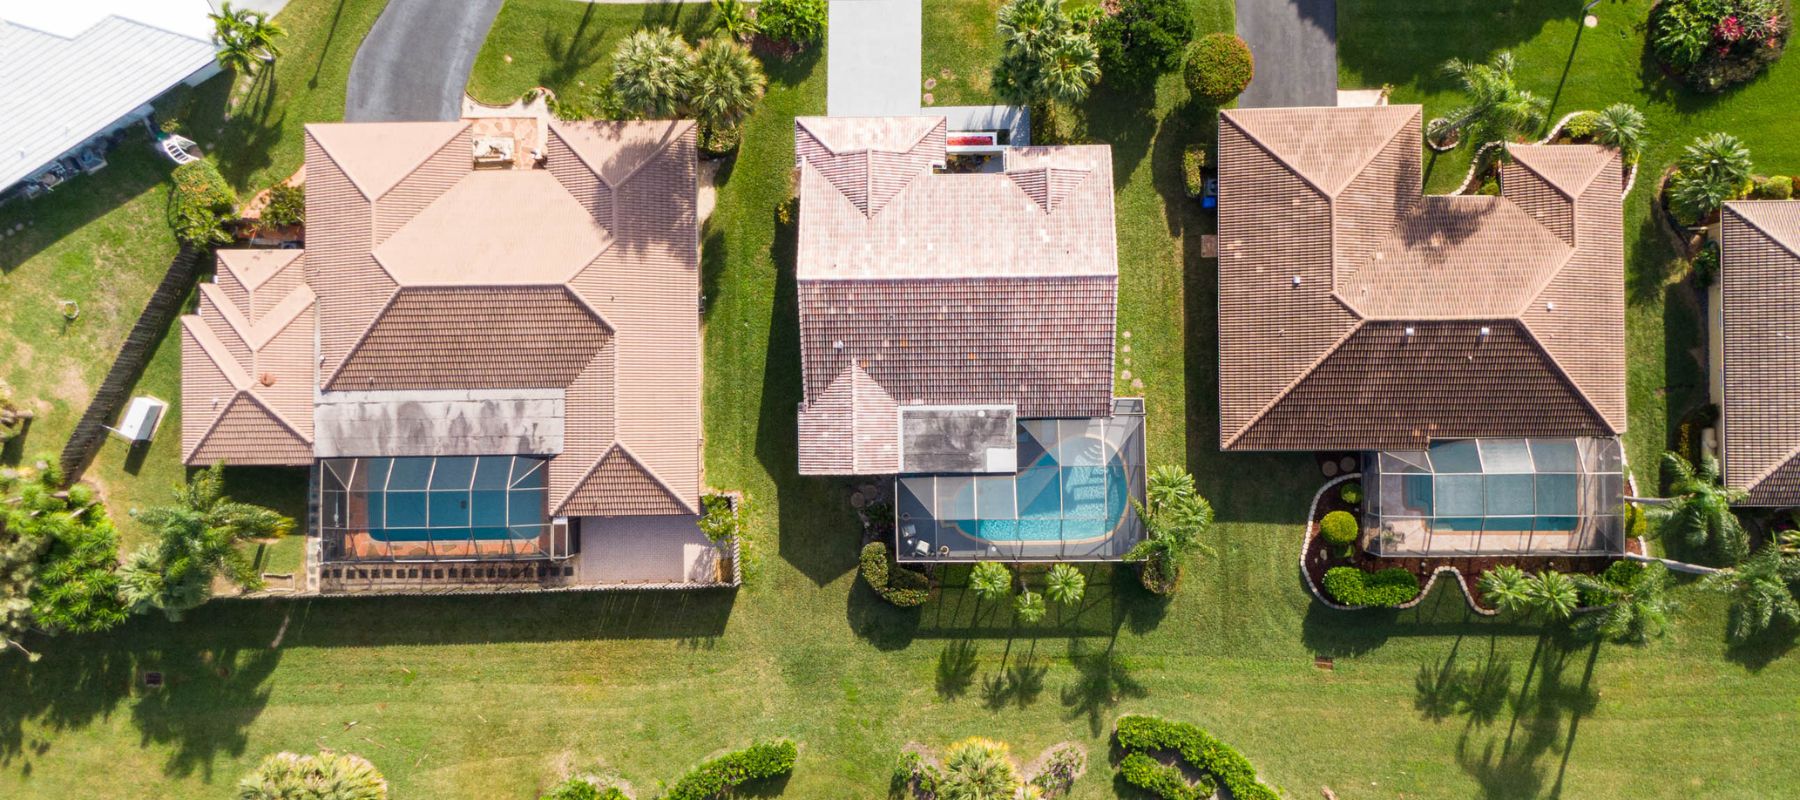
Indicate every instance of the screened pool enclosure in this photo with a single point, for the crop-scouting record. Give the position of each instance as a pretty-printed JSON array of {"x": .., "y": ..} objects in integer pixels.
[
  {"x": 442, "y": 508},
  {"x": 1468, "y": 497}
]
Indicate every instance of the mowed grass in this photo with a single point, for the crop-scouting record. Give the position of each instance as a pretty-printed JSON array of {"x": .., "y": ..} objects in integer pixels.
[
  {"x": 498, "y": 697},
  {"x": 102, "y": 241}
]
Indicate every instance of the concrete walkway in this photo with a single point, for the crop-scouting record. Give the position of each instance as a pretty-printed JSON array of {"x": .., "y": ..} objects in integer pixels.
[
  {"x": 874, "y": 61},
  {"x": 1295, "y": 45},
  {"x": 415, "y": 62}
]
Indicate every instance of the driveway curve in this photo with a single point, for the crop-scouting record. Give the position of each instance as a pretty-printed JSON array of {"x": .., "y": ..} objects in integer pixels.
[{"x": 415, "y": 62}]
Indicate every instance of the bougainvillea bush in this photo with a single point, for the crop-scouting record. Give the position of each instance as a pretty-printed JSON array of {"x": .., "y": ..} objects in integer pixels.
[{"x": 1713, "y": 44}]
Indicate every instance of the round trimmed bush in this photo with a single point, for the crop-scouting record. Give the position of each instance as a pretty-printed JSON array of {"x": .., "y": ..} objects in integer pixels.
[
  {"x": 1219, "y": 68},
  {"x": 1351, "y": 492},
  {"x": 1339, "y": 528}
]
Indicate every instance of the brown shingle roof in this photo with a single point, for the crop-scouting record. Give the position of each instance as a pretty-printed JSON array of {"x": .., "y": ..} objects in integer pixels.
[
  {"x": 1322, "y": 232},
  {"x": 924, "y": 287},
  {"x": 429, "y": 274},
  {"x": 1759, "y": 281}
]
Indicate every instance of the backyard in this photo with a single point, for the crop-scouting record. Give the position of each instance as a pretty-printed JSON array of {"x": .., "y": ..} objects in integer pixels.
[{"x": 499, "y": 697}]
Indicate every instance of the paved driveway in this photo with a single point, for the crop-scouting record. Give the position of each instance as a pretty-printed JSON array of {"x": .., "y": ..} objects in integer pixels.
[
  {"x": 1295, "y": 45},
  {"x": 415, "y": 62},
  {"x": 872, "y": 66}
]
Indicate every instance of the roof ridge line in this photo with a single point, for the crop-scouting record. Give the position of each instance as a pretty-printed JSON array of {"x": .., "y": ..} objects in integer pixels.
[
  {"x": 1264, "y": 146},
  {"x": 1793, "y": 251},
  {"x": 595, "y": 169},
  {"x": 209, "y": 342},
  {"x": 1288, "y": 389},
  {"x": 1562, "y": 371},
  {"x": 941, "y": 121},
  {"x": 410, "y": 171},
  {"x": 361, "y": 338},
  {"x": 585, "y": 475},
  {"x": 1571, "y": 194},
  {"x": 219, "y": 256},
  {"x": 1771, "y": 470},
  {"x": 245, "y": 394},
  {"x": 1550, "y": 277},
  {"x": 256, "y": 398},
  {"x": 619, "y": 444},
  {"x": 582, "y": 301}
]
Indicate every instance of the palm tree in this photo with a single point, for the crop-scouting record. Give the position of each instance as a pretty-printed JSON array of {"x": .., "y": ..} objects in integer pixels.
[
  {"x": 1045, "y": 59},
  {"x": 1029, "y": 605},
  {"x": 326, "y": 776},
  {"x": 733, "y": 17},
  {"x": 245, "y": 38},
  {"x": 1761, "y": 592},
  {"x": 1699, "y": 511},
  {"x": 991, "y": 580},
  {"x": 978, "y": 769},
  {"x": 1621, "y": 127},
  {"x": 1031, "y": 26},
  {"x": 1174, "y": 519},
  {"x": 1506, "y": 587},
  {"x": 1553, "y": 595},
  {"x": 197, "y": 539},
  {"x": 652, "y": 73},
  {"x": 1065, "y": 585},
  {"x": 727, "y": 83},
  {"x": 1498, "y": 109},
  {"x": 1712, "y": 170},
  {"x": 1633, "y": 612},
  {"x": 1072, "y": 68}
]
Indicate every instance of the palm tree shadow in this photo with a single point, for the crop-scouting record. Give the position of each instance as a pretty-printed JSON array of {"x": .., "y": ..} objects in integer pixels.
[
  {"x": 573, "y": 53},
  {"x": 1103, "y": 679}
]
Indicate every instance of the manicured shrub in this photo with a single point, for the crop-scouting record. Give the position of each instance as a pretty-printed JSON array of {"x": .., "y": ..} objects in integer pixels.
[
  {"x": 715, "y": 777},
  {"x": 1582, "y": 125},
  {"x": 1219, "y": 68},
  {"x": 1340, "y": 528},
  {"x": 1489, "y": 188},
  {"x": 1142, "y": 39},
  {"x": 287, "y": 205},
  {"x": 1162, "y": 780},
  {"x": 1197, "y": 747},
  {"x": 1706, "y": 265},
  {"x": 1351, "y": 492},
  {"x": 1780, "y": 187},
  {"x": 1384, "y": 588},
  {"x": 1637, "y": 525},
  {"x": 896, "y": 584},
  {"x": 795, "y": 22},
  {"x": 717, "y": 520},
  {"x": 1712, "y": 44},
  {"x": 1193, "y": 169},
  {"x": 200, "y": 204},
  {"x": 579, "y": 789}
]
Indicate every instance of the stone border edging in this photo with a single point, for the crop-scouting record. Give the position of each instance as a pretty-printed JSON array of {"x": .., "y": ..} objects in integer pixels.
[
  {"x": 1424, "y": 591},
  {"x": 1631, "y": 170}
]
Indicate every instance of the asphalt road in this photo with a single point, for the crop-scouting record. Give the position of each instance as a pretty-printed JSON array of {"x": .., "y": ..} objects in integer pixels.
[
  {"x": 1294, "y": 43},
  {"x": 415, "y": 62}
]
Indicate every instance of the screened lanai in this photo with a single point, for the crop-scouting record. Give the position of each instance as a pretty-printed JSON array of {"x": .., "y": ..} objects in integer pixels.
[
  {"x": 436, "y": 509},
  {"x": 1468, "y": 497}
]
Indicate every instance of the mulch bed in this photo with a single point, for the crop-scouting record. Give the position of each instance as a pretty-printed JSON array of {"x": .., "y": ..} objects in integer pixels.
[{"x": 1321, "y": 557}]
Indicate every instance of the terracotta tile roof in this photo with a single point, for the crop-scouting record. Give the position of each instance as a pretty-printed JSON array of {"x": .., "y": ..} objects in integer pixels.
[
  {"x": 1759, "y": 278},
  {"x": 1324, "y": 240},
  {"x": 430, "y": 275},
  {"x": 924, "y": 287},
  {"x": 621, "y": 486},
  {"x": 475, "y": 338},
  {"x": 247, "y": 378}
]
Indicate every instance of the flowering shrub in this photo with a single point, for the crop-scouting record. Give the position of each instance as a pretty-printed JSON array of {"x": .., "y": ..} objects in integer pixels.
[{"x": 1712, "y": 44}]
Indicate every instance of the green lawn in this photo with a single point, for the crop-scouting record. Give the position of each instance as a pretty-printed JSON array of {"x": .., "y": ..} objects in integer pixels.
[{"x": 498, "y": 697}]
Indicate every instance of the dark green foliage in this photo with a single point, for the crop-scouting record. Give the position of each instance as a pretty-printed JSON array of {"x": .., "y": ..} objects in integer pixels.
[
  {"x": 1489, "y": 188},
  {"x": 715, "y": 777},
  {"x": 200, "y": 204},
  {"x": 1706, "y": 265},
  {"x": 1143, "y": 39},
  {"x": 896, "y": 584},
  {"x": 1160, "y": 779},
  {"x": 1351, "y": 492},
  {"x": 197, "y": 539},
  {"x": 717, "y": 519},
  {"x": 797, "y": 22},
  {"x": 1354, "y": 587},
  {"x": 1138, "y": 734},
  {"x": 1339, "y": 528},
  {"x": 287, "y": 205},
  {"x": 1046, "y": 58},
  {"x": 717, "y": 141},
  {"x": 578, "y": 789},
  {"x": 58, "y": 556},
  {"x": 1780, "y": 187},
  {"x": 1712, "y": 44},
  {"x": 1193, "y": 168},
  {"x": 1219, "y": 68}
]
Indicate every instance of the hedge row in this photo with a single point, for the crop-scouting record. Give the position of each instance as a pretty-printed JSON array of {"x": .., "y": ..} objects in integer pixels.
[
  {"x": 1137, "y": 734},
  {"x": 1387, "y": 587},
  {"x": 717, "y": 776},
  {"x": 1161, "y": 779},
  {"x": 896, "y": 584}
]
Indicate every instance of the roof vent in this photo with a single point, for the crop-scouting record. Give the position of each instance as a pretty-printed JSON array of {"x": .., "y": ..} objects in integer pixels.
[
  {"x": 266, "y": 379},
  {"x": 1550, "y": 306},
  {"x": 1484, "y": 330},
  {"x": 1296, "y": 280},
  {"x": 1409, "y": 330},
  {"x": 838, "y": 344}
]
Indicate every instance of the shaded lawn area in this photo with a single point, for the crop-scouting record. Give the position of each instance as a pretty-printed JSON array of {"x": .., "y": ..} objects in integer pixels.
[
  {"x": 524, "y": 50},
  {"x": 497, "y": 697},
  {"x": 1405, "y": 44},
  {"x": 102, "y": 241}
]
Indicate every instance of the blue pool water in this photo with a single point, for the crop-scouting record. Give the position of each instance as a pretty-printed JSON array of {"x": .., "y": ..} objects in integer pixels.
[{"x": 1055, "y": 503}]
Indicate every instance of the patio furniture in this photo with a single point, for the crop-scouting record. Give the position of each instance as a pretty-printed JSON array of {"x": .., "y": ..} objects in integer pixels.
[{"x": 176, "y": 147}]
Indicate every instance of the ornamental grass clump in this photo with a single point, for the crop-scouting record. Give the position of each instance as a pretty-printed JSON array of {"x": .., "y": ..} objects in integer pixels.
[{"x": 1710, "y": 172}]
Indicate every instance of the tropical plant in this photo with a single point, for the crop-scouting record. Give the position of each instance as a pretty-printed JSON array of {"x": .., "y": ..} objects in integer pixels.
[
  {"x": 1552, "y": 595},
  {"x": 1498, "y": 109},
  {"x": 325, "y": 776},
  {"x": 1761, "y": 592},
  {"x": 717, "y": 777},
  {"x": 1045, "y": 58},
  {"x": 978, "y": 769},
  {"x": 991, "y": 580},
  {"x": 199, "y": 204},
  {"x": 795, "y": 22},
  {"x": 583, "y": 789},
  {"x": 1174, "y": 519},
  {"x": 1632, "y": 602},
  {"x": 1141, "y": 39},
  {"x": 1065, "y": 585},
  {"x": 734, "y": 19},
  {"x": 1712, "y": 44},
  {"x": 1029, "y": 605},
  {"x": 1620, "y": 126},
  {"x": 1714, "y": 169},
  {"x": 653, "y": 71},
  {"x": 287, "y": 205},
  {"x": 197, "y": 539},
  {"x": 58, "y": 556},
  {"x": 727, "y": 83},
  {"x": 1505, "y": 587},
  {"x": 1699, "y": 512},
  {"x": 245, "y": 38}
]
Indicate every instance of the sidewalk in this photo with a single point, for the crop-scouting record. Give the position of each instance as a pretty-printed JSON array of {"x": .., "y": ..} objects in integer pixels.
[{"x": 873, "y": 61}]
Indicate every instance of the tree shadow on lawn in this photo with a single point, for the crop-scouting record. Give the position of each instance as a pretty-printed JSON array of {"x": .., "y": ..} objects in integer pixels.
[
  {"x": 1103, "y": 679},
  {"x": 1434, "y": 33},
  {"x": 1546, "y": 716},
  {"x": 572, "y": 53},
  {"x": 1340, "y": 634},
  {"x": 132, "y": 170},
  {"x": 1478, "y": 690}
]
